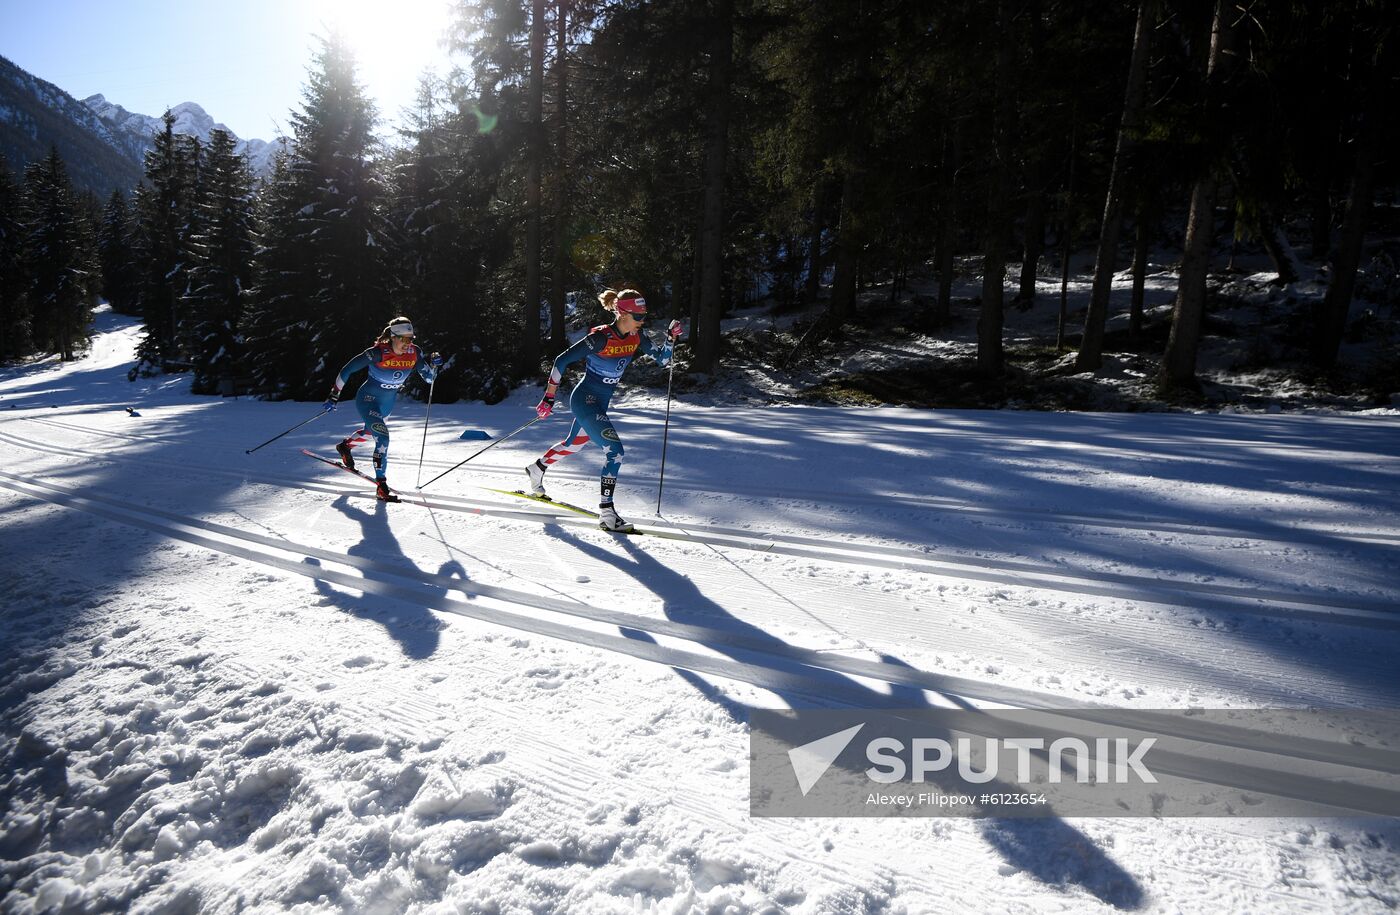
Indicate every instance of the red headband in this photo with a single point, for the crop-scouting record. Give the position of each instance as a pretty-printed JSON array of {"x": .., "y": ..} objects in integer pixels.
[{"x": 632, "y": 305}]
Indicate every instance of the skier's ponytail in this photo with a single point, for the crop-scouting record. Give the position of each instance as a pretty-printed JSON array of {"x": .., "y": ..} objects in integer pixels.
[
  {"x": 398, "y": 325},
  {"x": 609, "y": 298}
]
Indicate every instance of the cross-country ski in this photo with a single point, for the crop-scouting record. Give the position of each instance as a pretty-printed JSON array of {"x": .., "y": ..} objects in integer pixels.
[{"x": 386, "y": 496}]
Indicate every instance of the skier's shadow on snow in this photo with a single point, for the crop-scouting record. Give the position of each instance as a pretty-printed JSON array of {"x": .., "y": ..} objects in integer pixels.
[
  {"x": 410, "y": 623},
  {"x": 1046, "y": 848}
]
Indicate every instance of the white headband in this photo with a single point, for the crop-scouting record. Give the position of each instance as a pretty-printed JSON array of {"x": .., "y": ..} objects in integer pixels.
[{"x": 403, "y": 329}]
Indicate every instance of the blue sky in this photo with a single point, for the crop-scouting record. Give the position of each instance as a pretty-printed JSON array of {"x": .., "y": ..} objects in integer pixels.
[{"x": 244, "y": 61}]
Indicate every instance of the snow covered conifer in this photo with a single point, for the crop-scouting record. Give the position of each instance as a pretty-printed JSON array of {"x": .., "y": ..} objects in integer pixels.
[
  {"x": 164, "y": 216},
  {"x": 15, "y": 340},
  {"x": 276, "y": 323},
  {"x": 322, "y": 269},
  {"x": 117, "y": 257},
  {"x": 59, "y": 259},
  {"x": 221, "y": 250}
]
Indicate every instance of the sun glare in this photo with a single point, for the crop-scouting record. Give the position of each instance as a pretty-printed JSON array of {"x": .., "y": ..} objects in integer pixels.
[{"x": 393, "y": 42}]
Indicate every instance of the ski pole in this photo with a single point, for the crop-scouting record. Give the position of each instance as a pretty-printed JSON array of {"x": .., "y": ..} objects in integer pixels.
[
  {"x": 424, "y": 448},
  {"x": 482, "y": 451},
  {"x": 293, "y": 429},
  {"x": 665, "y": 432}
]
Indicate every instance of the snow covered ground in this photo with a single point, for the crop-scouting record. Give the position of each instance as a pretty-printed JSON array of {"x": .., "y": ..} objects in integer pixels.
[{"x": 236, "y": 682}]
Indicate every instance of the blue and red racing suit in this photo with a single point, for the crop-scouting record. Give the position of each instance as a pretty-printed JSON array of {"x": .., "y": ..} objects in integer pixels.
[
  {"x": 387, "y": 374},
  {"x": 606, "y": 355}
]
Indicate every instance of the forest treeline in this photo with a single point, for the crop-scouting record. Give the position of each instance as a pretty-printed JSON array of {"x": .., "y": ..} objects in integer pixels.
[{"x": 712, "y": 152}]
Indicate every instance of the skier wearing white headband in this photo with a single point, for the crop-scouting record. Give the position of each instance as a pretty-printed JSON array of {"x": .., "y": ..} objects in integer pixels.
[{"x": 390, "y": 361}]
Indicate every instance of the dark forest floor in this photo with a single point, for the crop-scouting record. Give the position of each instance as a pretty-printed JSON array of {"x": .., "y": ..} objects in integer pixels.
[{"x": 1252, "y": 356}]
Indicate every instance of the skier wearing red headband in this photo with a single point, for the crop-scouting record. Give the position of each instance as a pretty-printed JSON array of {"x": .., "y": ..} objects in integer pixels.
[{"x": 607, "y": 350}]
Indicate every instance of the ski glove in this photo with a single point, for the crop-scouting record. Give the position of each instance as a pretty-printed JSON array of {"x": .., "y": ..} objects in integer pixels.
[
  {"x": 435, "y": 360},
  {"x": 329, "y": 405},
  {"x": 545, "y": 407},
  {"x": 675, "y": 330}
]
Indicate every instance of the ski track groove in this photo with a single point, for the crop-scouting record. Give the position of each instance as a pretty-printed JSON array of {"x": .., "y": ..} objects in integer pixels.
[
  {"x": 1351, "y": 609},
  {"x": 1294, "y": 533},
  {"x": 127, "y": 513},
  {"x": 861, "y": 611},
  {"x": 816, "y": 684},
  {"x": 1265, "y": 683}
]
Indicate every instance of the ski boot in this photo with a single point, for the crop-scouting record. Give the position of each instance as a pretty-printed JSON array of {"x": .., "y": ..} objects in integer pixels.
[
  {"x": 536, "y": 474},
  {"x": 382, "y": 492},
  {"x": 610, "y": 520},
  {"x": 343, "y": 449}
]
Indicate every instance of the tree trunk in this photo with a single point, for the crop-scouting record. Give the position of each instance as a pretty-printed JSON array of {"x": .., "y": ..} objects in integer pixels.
[
  {"x": 1179, "y": 362},
  {"x": 1090, "y": 356},
  {"x": 1140, "y": 248},
  {"x": 1331, "y": 318},
  {"x": 697, "y": 278},
  {"x": 947, "y": 224},
  {"x": 848, "y": 244},
  {"x": 792, "y": 266},
  {"x": 680, "y": 293},
  {"x": 1035, "y": 192},
  {"x": 716, "y": 156},
  {"x": 990, "y": 361},
  {"x": 1066, "y": 252},
  {"x": 530, "y": 348},
  {"x": 558, "y": 340},
  {"x": 814, "y": 251},
  {"x": 1322, "y": 215},
  {"x": 1035, "y": 237}
]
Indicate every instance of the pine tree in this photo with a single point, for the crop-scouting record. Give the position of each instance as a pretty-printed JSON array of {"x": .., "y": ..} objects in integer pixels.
[
  {"x": 322, "y": 279},
  {"x": 636, "y": 154},
  {"x": 1178, "y": 368},
  {"x": 451, "y": 245},
  {"x": 221, "y": 255},
  {"x": 165, "y": 213},
  {"x": 561, "y": 179},
  {"x": 503, "y": 146},
  {"x": 1090, "y": 356},
  {"x": 277, "y": 324},
  {"x": 1372, "y": 130},
  {"x": 534, "y": 191},
  {"x": 59, "y": 259},
  {"x": 117, "y": 256},
  {"x": 16, "y": 339}
]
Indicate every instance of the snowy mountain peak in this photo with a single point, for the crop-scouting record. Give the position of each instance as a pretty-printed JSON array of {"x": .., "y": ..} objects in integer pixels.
[
  {"x": 194, "y": 121},
  {"x": 134, "y": 131}
]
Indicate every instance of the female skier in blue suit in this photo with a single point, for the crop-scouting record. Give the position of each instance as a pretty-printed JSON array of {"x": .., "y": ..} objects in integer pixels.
[
  {"x": 390, "y": 361},
  {"x": 607, "y": 350}
]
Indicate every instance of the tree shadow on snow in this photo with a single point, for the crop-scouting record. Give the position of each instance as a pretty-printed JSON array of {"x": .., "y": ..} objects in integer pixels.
[{"x": 1048, "y": 849}]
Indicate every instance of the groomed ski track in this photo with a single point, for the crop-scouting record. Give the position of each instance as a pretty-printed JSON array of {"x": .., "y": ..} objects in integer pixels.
[
  {"x": 708, "y": 553},
  {"x": 1256, "y": 599}
]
